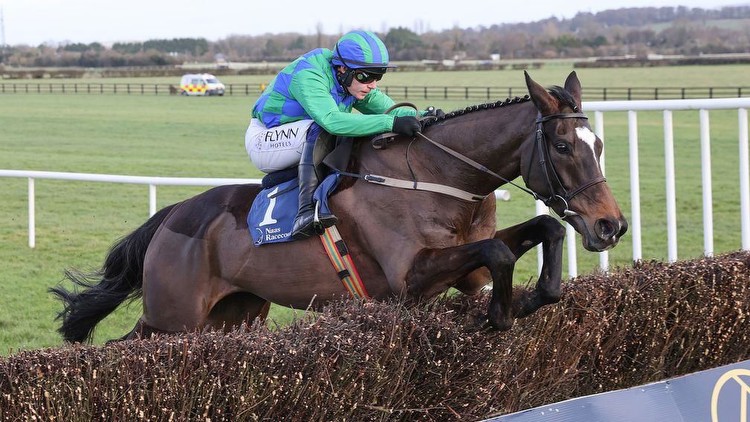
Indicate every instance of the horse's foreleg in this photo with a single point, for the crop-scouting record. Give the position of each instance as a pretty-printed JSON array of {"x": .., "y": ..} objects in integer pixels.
[
  {"x": 435, "y": 270},
  {"x": 520, "y": 239}
]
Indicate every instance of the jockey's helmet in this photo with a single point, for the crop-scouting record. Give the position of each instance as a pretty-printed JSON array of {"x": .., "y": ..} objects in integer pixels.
[{"x": 361, "y": 50}]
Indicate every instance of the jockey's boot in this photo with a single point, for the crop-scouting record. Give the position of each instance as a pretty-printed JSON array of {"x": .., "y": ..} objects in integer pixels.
[{"x": 305, "y": 224}]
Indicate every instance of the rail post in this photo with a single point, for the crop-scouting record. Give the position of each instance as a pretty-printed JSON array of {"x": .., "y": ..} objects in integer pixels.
[
  {"x": 744, "y": 180},
  {"x": 708, "y": 224},
  {"x": 32, "y": 216}
]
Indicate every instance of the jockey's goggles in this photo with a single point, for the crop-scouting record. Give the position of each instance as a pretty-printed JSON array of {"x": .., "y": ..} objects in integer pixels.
[{"x": 366, "y": 76}]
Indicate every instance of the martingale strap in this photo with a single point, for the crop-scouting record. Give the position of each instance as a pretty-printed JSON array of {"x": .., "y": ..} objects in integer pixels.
[{"x": 342, "y": 262}]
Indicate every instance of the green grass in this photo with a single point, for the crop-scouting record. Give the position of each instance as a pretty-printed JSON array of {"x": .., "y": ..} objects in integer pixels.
[{"x": 203, "y": 137}]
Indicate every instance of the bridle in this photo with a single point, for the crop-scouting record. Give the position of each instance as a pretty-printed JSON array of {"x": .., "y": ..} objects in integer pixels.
[
  {"x": 539, "y": 144},
  {"x": 548, "y": 167}
]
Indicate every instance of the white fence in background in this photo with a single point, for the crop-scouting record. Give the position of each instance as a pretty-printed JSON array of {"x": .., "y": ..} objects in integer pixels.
[
  {"x": 598, "y": 108},
  {"x": 667, "y": 107},
  {"x": 152, "y": 183}
]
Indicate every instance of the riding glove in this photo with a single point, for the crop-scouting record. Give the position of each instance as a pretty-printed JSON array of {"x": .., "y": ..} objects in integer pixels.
[
  {"x": 406, "y": 125},
  {"x": 436, "y": 112}
]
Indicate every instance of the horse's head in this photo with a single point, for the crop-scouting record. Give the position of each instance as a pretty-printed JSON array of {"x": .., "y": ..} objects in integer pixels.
[{"x": 561, "y": 165}]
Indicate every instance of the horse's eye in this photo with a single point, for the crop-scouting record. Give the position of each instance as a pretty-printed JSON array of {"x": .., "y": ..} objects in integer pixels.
[{"x": 562, "y": 148}]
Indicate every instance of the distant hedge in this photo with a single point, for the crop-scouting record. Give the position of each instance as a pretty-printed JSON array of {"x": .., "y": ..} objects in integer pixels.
[{"x": 385, "y": 361}]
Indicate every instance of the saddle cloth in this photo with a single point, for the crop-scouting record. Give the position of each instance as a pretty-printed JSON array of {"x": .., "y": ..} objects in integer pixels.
[{"x": 272, "y": 213}]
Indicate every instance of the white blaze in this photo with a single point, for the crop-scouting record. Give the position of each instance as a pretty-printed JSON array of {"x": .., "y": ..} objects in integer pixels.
[{"x": 586, "y": 135}]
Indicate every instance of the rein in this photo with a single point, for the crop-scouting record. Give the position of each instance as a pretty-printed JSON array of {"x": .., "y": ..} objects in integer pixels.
[
  {"x": 381, "y": 141},
  {"x": 538, "y": 145}
]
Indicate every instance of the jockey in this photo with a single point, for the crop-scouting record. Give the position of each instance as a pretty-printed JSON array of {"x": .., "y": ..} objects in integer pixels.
[{"x": 313, "y": 97}]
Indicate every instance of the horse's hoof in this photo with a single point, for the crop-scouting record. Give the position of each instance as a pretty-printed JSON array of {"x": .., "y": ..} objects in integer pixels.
[
  {"x": 521, "y": 300},
  {"x": 504, "y": 325}
]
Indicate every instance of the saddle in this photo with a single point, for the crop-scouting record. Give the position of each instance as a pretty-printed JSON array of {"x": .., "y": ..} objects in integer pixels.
[{"x": 272, "y": 213}]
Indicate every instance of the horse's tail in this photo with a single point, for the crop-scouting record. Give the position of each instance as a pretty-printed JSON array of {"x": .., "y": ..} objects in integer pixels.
[{"x": 119, "y": 279}]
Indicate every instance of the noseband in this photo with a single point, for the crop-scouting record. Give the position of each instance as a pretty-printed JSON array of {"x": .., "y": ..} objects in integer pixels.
[{"x": 553, "y": 178}]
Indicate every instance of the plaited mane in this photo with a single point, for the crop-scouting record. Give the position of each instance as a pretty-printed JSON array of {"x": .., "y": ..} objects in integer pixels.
[
  {"x": 472, "y": 108},
  {"x": 556, "y": 91}
]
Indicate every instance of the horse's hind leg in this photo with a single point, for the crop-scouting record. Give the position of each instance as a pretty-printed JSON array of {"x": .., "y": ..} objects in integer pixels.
[
  {"x": 236, "y": 309},
  {"x": 228, "y": 313},
  {"x": 520, "y": 239},
  {"x": 141, "y": 330}
]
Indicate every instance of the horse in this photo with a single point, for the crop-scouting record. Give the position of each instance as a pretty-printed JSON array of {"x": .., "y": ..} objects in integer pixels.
[{"x": 195, "y": 267}]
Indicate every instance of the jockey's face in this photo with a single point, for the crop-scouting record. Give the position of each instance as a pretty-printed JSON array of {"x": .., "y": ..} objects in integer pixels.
[
  {"x": 357, "y": 89},
  {"x": 360, "y": 90}
]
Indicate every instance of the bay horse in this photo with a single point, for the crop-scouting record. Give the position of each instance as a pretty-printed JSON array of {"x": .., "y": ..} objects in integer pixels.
[{"x": 195, "y": 267}]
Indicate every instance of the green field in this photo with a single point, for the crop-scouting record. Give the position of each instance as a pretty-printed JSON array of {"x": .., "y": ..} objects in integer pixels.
[{"x": 203, "y": 137}]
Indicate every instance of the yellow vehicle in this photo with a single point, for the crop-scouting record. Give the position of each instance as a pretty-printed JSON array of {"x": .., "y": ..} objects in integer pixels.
[{"x": 201, "y": 84}]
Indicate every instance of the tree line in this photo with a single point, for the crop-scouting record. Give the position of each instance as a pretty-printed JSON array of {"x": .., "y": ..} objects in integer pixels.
[{"x": 617, "y": 32}]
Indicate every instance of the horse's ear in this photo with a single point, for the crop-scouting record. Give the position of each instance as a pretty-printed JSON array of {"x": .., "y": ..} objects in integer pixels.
[
  {"x": 573, "y": 86},
  {"x": 544, "y": 102}
]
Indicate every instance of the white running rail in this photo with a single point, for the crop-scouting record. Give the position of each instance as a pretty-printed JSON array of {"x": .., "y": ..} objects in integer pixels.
[
  {"x": 667, "y": 107},
  {"x": 152, "y": 183}
]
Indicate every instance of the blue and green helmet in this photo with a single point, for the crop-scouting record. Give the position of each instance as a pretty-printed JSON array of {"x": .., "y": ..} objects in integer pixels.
[{"x": 361, "y": 49}]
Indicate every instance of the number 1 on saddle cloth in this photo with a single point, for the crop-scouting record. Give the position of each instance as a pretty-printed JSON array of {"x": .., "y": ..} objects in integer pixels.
[{"x": 271, "y": 216}]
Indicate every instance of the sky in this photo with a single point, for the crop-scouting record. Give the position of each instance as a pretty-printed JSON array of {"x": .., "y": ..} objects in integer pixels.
[{"x": 33, "y": 22}]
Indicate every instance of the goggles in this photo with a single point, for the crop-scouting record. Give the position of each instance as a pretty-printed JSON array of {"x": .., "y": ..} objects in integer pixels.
[{"x": 365, "y": 77}]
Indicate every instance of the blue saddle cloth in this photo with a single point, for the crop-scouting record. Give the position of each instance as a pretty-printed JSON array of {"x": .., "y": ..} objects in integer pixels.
[{"x": 271, "y": 216}]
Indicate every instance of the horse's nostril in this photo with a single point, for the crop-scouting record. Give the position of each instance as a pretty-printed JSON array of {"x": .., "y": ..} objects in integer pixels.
[{"x": 605, "y": 229}]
